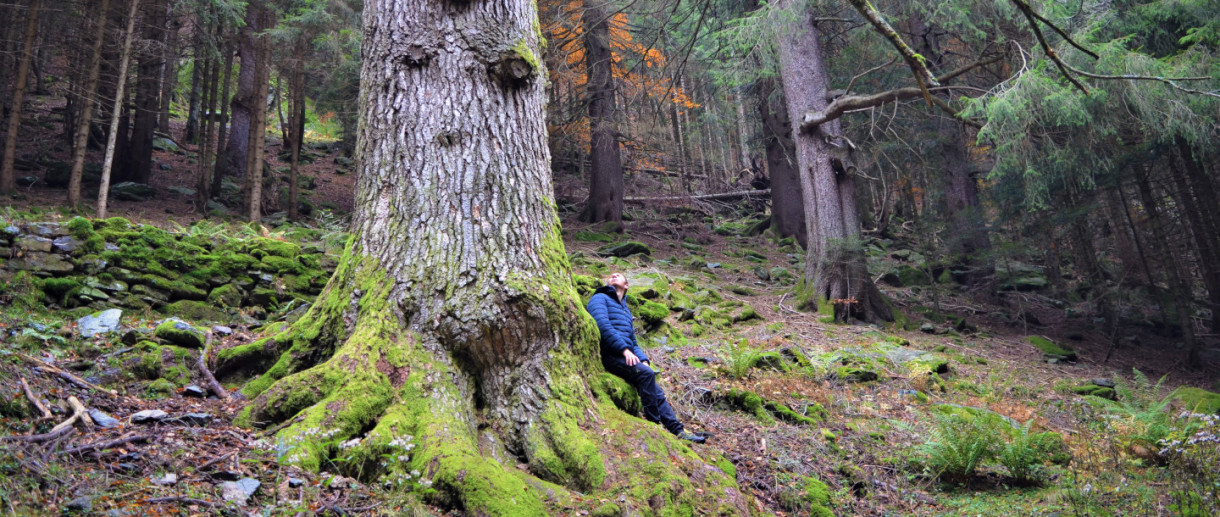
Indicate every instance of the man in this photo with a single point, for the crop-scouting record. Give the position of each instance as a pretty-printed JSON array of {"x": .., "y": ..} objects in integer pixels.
[{"x": 622, "y": 356}]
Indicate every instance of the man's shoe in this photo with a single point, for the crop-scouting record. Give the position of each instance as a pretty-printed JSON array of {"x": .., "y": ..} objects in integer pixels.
[{"x": 692, "y": 437}]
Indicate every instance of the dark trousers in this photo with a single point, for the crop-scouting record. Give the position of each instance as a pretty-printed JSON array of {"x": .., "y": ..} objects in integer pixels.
[{"x": 641, "y": 376}]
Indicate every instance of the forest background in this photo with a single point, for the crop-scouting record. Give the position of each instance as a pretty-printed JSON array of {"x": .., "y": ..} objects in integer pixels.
[{"x": 1064, "y": 149}]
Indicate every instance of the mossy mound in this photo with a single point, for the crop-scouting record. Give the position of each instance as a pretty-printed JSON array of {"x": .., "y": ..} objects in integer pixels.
[
  {"x": 1094, "y": 390},
  {"x": 1052, "y": 350},
  {"x": 167, "y": 363},
  {"x": 625, "y": 249},
  {"x": 180, "y": 333},
  {"x": 613, "y": 388},
  {"x": 195, "y": 311},
  {"x": 768, "y": 410},
  {"x": 1198, "y": 400}
]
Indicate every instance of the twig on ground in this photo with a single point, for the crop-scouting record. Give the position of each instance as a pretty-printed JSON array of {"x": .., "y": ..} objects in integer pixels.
[
  {"x": 78, "y": 411},
  {"x": 43, "y": 366},
  {"x": 214, "y": 461},
  {"x": 39, "y": 438},
  {"x": 213, "y": 384},
  {"x": 181, "y": 499},
  {"x": 107, "y": 444},
  {"x": 46, "y": 413}
]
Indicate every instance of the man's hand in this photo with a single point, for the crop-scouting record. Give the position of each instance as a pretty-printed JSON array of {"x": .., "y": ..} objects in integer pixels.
[{"x": 632, "y": 360}]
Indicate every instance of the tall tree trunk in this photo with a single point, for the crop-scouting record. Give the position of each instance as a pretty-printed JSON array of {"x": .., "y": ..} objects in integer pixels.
[
  {"x": 203, "y": 180},
  {"x": 605, "y": 201},
  {"x": 1205, "y": 223},
  {"x": 8, "y": 182},
  {"x": 835, "y": 271},
  {"x": 297, "y": 123},
  {"x": 258, "y": 122},
  {"x": 124, "y": 60},
  {"x": 194, "y": 102},
  {"x": 169, "y": 69},
  {"x": 1179, "y": 293},
  {"x": 222, "y": 121},
  {"x": 969, "y": 244},
  {"x": 787, "y": 204},
  {"x": 1129, "y": 253},
  {"x": 148, "y": 92},
  {"x": 234, "y": 158},
  {"x": 452, "y": 323},
  {"x": 80, "y": 137}
]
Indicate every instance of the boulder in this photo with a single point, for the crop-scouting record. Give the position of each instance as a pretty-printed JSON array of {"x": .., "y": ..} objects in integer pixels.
[
  {"x": 99, "y": 323},
  {"x": 239, "y": 491},
  {"x": 625, "y": 249},
  {"x": 34, "y": 243},
  {"x": 132, "y": 191},
  {"x": 180, "y": 333},
  {"x": 44, "y": 262},
  {"x": 65, "y": 244}
]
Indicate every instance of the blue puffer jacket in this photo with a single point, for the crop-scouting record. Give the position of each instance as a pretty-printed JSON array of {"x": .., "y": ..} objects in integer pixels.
[{"x": 614, "y": 321}]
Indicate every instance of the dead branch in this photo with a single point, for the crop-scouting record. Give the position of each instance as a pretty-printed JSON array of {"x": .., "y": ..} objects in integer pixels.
[
  {"x": 213, "y": 384},
  {"x": 214, "y": 461},
  {"x": 740, "y": 194},
  {"x": 39, "y": 438},
  {"x": 181, "y": 499},
  {"x": 1046, "y": 47},
  {"x": 79, "y": 382},
  {"x": 919, "y": 68},
  {"x": 107, "y": 444},
  {"x": 78, "y": 412},
  {"x": 46, "y": 413}
]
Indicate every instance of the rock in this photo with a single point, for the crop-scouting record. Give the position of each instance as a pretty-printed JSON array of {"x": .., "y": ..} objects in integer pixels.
[
  {"x": 1051, "y": 350},
  {"x": 131, "y": 456},
  {"x": 221, "y": 330},
  {"x": 239, "y": 491},
  {"x": 27, "y": 181},
  {"x": 713, "y": 265},
  {"x": 151, "y": 295},
  {"x": 165, "y": 167},
  {"x": 34, "y": 243},
  {"x": 164, "y": 144},
  {"x": 99, "y": 323},
  {"x": 117, "y": 512},
  {"x": 65, "y": 244},
  {"x": 1075, "y": 336},
  {"x": 134, "y": 336},
  {"x": 113, "y": 286},
  {"x": 49, "y": 230},
  {"x": 10, "y": 231},
  {"x": 180, "y": 333},
  {"x": 194, "y": 419},
  {"x": 111, "y": 247},
  {"x": 194, "y": 391},
  {"x": 165, "y": 480},
  {"x": 668, "y": 349},
  {"x": 927, "y": 328},
  {"x": 44, "y": 262},
  {"x": 103, "y": 420},
  {"x": 131, "y": 191},
  {"x": 226, "y": 475},
  {"x": 185, "y": 191},
  {"x": 195, "y": 311},
  {"x": 295, "y": 482},
  {"x": 82, "y": 504},
  {"x": 625, "y": 249},
  {"x": 1104, "y": 382},
  {"x": 148, "y": 416}
]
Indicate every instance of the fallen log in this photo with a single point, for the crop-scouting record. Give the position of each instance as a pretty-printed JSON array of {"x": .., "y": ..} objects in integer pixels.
[
  {"x": 46, "y": 413},
  {"x": 723, "y": 196}
]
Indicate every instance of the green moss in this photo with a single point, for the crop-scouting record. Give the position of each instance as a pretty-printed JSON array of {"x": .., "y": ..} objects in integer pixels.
[
  {"x": 1050, "y": 445},
  {"x": 1051, "y": 349},
  {"x": 1198, "y": 400},
  {"x": 588, "y": 236},
  {"x": 727, "y": 467},
  {"x": 80, "y": 228},
  {"x": 59, "y": 286},
  {"x": 160, "y": 388},
  {"x": 652, "y": 313},
  {"x": 1096, "y": 391},
  {"x": 817, "y": 498},
  {"x": 149, "y": 364},
  {"x": 227, "y": 295},
  {"x": 855, "y": 374},
  {"x": 608, "y": 386},
  {"x": 195, "y": 311},
  {"x": 180, "y": 333}
]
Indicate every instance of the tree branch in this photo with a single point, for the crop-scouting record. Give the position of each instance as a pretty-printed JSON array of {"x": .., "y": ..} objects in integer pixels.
[
  {"x": 923, "y": 77},
  {"x": 723, "y": 195},
  {"x": 1046, "y": 46}
]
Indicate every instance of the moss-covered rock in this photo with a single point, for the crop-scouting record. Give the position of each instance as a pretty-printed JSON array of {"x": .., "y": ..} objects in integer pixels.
[
  {"x": 652, "y": 312},
  {"x": 1198, "y": 400},
  {"x": 1050, "y": 445},
  {"x": 227, "y": 295},
  {"x": 195, "y": 311},
  {"x": 625, "y": 249},
  {"x": 613, "y": 388},
  {"x": 857, "y": 373},
  {"x": 180, "y": 333},
  {"x": 1094, "y": 390},
  {"x": 1052, "y": 350}
]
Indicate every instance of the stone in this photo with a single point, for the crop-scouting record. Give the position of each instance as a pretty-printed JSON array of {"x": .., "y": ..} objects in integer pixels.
[
  {"x": 103, "y": 420},
  {"x": 165, "y": 480},
  {"x": 65, "y": 244},
  {"x": 184, "y": 191},
  {"x": 221, "y": 330},
  {"x": 44, "y": 262},
  {"x": 165, "y": 167},
  {"x": 150, "y": 294},
  {"x": 194, "y": 419},
  {"x": 134, "y": 336},
  {"x": 1104, "y": 382},
  {"x": 82, "y": 504},
  {"x": 10, "y": 232},
  {"x": 27, "y": 181},
  {"x": 34, "y": 243},
  {"x": 927, "y": 328},
  {"x": 713, "y": 265},
  {"x": 111, "y": 247},
  {"x": 164, "y": 144},
  {"x": 131, "y": 456},
  {"x": 625, "y": 249},
  {"x": 113, "y": 286},
  {"x": 49, "y": 230},
  {"x": 99, "y": 323},
  {"x": 226, "y": 475},
  {"x": 194, "y": 391},
  {"x": 239, "y": 491},
  {"x": 1075, "y": 336},
  {"x": 131, "y": 191},
  {"x": 295, "y": 482},
  {"x": 149, "y": 416},
  {"x": 180, "y": 333}
]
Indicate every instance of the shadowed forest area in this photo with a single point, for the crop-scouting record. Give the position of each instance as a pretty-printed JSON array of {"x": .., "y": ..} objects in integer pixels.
[{"x": 290, "y": 257}]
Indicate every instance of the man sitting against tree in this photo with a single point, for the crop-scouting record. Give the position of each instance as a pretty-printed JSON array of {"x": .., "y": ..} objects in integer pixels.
[{"x": 622, "y": 356}]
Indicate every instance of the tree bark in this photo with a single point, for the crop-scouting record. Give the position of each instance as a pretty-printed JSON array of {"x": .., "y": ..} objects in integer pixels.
[
  {"x": 148, "y": 92},
  {"x": 258, "y": 122},
  {"x": 80, "y": 138},
  {"x": 297, "y": 130},
  {"x": 451, "y": 323},
  {"x": 124, "y": 60},
  {"x": 203, "y": 181},
  {"x": 8, "y": 182},
  {"x": 787, "y": 204},
  {"x": 169, "y": 70},
  {"x": 1179, "y": 293},
  {"x": 234, "y": 158},
  {"x": 1205, "y": 223},
  {"x": 195, "y": 108},
  {"x": 969, "y": 243},
  {"x": 222, "y": 121},
  {"x": 835, "y": 270},
  {"x": 605, "y": 201}
]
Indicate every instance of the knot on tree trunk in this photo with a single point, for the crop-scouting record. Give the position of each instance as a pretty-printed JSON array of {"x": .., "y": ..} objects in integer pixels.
[{"x": 514, "y": 68}]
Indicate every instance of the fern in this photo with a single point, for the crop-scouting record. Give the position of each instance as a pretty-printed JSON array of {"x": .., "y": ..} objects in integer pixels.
[
  {"x": 739, "y": 359},
  {"x": 959, "y": 444},
  {"x": 1140, "y": 407},
  {"x": 1022, "y": 456}
]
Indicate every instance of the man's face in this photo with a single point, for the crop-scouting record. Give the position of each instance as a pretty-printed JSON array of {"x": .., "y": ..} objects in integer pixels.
[{"x": 617, "y": 281}]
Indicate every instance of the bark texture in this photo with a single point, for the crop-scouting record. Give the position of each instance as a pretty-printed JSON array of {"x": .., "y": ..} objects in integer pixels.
[
  {"x": 7, "y": 180},
  {"x": 233, "y": 159},
  {"x": 80, "y": 135},
  {"x": 148, "y": 92},
  {"x": 605, "y": 201},
  {"x": 835, "y": 270},
  {"x": 787, "y": 204},
  {"x": 451, "y": 323}
]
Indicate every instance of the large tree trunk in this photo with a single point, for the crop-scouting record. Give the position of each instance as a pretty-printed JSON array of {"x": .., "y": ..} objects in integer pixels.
[
  {"x": 80, "y": 137},
  {"x": 1179, "y": 293},
  {"x": 258, "y": 122},
  {"x": 169, "y": 70},
  {"x": 111, "y": 140},
  {"x": 296, "y": 132},
  {"x": 148, "y": 92},
  {"x": 787, "y": 205},
  {"x": 1204, "y": 222},
  {"x": 452, "y": 323},
  {"x": 222, "y": 122},
  {"x": 835, "y": 271},
  {"x": 7, "y": 180},
  {"x": 195, "y": 100},
  {"x": 605, "y": 201},
  {"x": 969, "y": 244},
  {"x": 233, "y": 159}
]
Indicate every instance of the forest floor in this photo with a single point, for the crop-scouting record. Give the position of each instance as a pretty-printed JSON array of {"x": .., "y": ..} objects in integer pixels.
[{"x": 865, "y": 437}]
